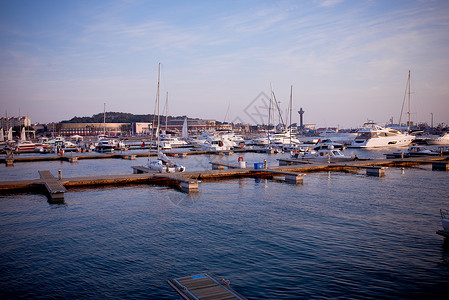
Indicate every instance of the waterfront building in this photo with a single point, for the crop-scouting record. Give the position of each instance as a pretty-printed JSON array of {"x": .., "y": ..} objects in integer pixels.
[
  {"x": 142, "y": 128},
  {"x": 90, "y": 129},
  {"x": 8, "y": 122}
]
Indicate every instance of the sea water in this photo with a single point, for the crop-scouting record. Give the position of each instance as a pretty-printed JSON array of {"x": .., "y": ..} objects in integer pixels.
[{"x": 337, "y": 235}]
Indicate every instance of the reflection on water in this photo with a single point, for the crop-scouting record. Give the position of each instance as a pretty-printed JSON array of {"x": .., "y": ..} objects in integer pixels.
[{"x": 337, "y": 235}]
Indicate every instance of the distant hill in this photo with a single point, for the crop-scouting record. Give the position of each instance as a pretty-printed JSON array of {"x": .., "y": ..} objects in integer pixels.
[{"x": 118, "y": 117}]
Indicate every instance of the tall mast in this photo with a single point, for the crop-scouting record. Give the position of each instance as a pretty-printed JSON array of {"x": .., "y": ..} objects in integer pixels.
[
  {"x": 269, "y": 111},
  {"x": 409, "y": 100},
  {"x": 104, "y": 118},
  {"x": 291, "y": 103},
  {"x": 166, "y": 113},
  {"x": 157, "y": 101}
]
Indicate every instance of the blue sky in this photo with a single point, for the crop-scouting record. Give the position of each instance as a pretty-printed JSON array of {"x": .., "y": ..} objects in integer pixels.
[{"x": 347, "y": 61}]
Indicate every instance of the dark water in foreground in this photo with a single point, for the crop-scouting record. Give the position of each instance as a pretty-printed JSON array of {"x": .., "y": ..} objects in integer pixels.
[{"x": 338, "y": 235}]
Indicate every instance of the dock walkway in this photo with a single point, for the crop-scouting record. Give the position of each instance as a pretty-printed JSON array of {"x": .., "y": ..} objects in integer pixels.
[
  {"x": 53, "y": 186},
  {"x": 188, "y": 181}
]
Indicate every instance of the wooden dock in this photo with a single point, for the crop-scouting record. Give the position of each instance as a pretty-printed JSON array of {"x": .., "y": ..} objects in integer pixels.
[
  {"x": 188, "y": 181},
  {"x": 204, "y": 286}
]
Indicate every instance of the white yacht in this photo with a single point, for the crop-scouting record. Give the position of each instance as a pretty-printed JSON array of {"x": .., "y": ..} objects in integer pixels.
[
  {"x": 345, "y": 138},
  {"x": 216, "y": 143},
  {"x": 169, "y": 142},
  {"x": 280, "y": 139},
  {"x": 375, "y": 136},
  {"x": 441, "y": 140},
  {"x": 329, "y": 154}
]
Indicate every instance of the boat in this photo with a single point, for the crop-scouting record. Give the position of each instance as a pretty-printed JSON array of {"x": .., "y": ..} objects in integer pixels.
[
  {"x": 344, "y": 138},
  {"x": 162, "y": 164},
  {"x": 326, "y": 143},
  {"x": 217, "y": 143},
  {"x": 375, "y": 136},
  {"x": 104, "y": 146},
  {"x": 23, "y": 144},
  {"x": 185, "y": 132},
  {"x": 329, "y": 154},
  {"x": 169, "y": 142},
  {"x": 413, "y": 151},
  {"x": 441, "y": 140}
]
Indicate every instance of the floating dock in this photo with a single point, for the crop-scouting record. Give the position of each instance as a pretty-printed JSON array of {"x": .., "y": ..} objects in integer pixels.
[
  {"x": 189, "y": 181},
  {"x": 54, "y": 188},
  {"x": 204, "y": 286}
]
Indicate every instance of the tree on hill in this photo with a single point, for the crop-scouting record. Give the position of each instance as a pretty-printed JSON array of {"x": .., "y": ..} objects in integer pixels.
[{"x": 119, "y": 117}]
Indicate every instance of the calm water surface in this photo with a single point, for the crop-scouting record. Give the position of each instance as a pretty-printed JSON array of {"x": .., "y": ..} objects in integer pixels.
[{"x": 338, "y": 235}]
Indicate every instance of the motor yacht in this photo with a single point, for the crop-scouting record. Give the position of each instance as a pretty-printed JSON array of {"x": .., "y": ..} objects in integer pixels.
[
  {"x": 329, "y": 154},
  {"x": 413, "y": 151},
  {"x": 441, "y": 140},
  {"x": 375, "y": 136}
]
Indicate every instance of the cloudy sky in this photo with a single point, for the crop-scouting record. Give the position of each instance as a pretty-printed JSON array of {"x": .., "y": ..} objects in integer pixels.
[{"x": 348, "y": 61}]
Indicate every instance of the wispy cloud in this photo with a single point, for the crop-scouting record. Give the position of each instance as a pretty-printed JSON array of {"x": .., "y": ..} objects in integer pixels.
[{"x": 329, "y": 3}]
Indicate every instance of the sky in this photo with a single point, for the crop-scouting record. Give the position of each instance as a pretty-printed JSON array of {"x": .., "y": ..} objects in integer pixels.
[{"x": 345, "y": 62}]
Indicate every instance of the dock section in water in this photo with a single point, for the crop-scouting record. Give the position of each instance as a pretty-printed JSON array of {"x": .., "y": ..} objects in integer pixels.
[{"x": 204, "y": 286}]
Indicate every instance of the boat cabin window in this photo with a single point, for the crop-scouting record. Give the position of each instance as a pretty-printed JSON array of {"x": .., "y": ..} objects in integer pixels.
[{"x": 366, "y": 135}]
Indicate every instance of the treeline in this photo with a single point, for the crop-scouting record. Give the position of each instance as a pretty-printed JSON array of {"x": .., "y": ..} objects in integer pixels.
[{"x": 118, "y": 117}]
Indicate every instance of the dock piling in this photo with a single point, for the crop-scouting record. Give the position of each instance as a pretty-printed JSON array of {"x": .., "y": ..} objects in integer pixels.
[{"x": 9, "y": 159}]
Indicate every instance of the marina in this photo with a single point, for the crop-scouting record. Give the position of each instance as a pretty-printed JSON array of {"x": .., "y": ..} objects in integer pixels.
[{"x": 244, "y": 150}]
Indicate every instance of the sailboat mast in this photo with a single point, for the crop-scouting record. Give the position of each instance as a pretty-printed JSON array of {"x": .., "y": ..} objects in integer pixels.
[
  {"x": 166, "y": 113},
  {"x": 104, "y": 118},
  {"x": 157, "y": 101},
  {"x": 269, "y": 111},
  {"x": 409, "y": 84},
  {"x": 291, "y": 103}
]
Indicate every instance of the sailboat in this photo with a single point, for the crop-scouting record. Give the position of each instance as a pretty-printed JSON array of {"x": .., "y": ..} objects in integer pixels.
[
  {"x": 162, "y": 164},
  {"x": 9, "y": 137},
  {"x": 185, "y": 132},
  {"x": 24, "y": 144}
]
